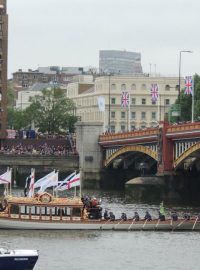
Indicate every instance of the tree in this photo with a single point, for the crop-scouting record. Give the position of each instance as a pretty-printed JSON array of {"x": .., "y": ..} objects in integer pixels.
[
  {"x": 52, "y": 112},
  {"x": 186, "y": 102}
]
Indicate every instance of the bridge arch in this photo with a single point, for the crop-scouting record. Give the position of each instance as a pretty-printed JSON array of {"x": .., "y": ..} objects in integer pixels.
[
  {"x": 131, "y": 148},
  {"x": 186, "y": 154}
]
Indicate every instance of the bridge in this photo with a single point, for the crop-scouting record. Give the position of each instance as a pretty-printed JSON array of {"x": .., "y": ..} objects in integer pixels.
[{"x": 166, "y": 147}]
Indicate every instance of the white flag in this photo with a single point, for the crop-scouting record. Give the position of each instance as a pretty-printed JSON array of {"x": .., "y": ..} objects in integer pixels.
[
  {"x": 43, "y": 180},
  {"x": 31, "y": 185},
  {"x": 5, "y": 178},
  {"x": 52, "y": 181},
  {"x": 101, "y": 104}
]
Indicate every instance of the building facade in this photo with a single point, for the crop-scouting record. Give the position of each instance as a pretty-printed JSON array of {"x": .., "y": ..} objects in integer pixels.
[
  {"x": 142, "y": 113},
  {"x": 119, "y": 62},
  {"x": 3, "y": 66}
]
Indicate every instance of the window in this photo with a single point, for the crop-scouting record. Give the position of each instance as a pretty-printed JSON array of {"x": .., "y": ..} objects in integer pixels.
[
  {"x": 153, "y": 115},
  {"x": 123, "y": 115},
  {"x": 143, "y": 101},
  {"x": 167, "y": 101},
  {"x": 113, "y": 86},
  {"x": 123, "y": 128},
  {"x": 133, "y": 87},
  {"x": 112, "y": 114},
  {"x": 112, "y": 129},
  {"x": 133, "y": 101},
  {"x": 113, "y": 100},
  {"x": 167, "y": 87},
  {"x": 177, "y": 87},
  {"x": 123, "y": 87},
  {"x": 143, "y": 87},
  {"x": 132, "y": 127},
  {"x": 143, "y": 126},
  {"x": 153, "y": 102},
  {"x": 132, "y": 115},
  {"x": 143, "y": 115}
]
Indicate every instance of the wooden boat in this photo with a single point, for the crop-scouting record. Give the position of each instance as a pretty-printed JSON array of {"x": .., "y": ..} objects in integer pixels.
[
  {"x": 47, "y": 212},
  {"x": 18, "y": 259}
]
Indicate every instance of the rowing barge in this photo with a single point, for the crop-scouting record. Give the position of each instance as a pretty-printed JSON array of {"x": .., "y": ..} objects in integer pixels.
[{"x": 45, "y": 212}]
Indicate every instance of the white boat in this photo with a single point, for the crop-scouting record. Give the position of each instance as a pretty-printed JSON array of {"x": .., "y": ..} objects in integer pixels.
[{"x": 17, "y": 259}]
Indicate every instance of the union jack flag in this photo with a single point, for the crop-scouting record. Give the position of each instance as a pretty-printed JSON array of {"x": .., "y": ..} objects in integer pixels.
[
  {"x": 125, "y": 99},
  {"x": 188, "y": 85},
  {"x": 154, "y": 91}
]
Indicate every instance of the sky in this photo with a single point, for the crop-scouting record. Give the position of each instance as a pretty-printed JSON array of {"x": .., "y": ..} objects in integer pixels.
[{"x": 71, "y": 33}]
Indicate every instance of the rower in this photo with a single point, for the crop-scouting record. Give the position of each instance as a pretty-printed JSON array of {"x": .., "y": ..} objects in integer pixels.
[
  {"x": 174, "y": 216},
  {"x": 124, "y": 217},
  {"x": 136, "y": 216},
  {"x": 105, "y": 215},
  {"x": 161, "y": 217},
  {"x": 147, "y": 216},
  {"x": 112, "y": 216},
  {"x": 186, "y": 216}
]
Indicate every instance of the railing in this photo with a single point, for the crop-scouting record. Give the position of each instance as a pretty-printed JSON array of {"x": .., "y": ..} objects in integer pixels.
[
  {"x": 127, "y": 135},
  {"x": 183, "y": 127}
]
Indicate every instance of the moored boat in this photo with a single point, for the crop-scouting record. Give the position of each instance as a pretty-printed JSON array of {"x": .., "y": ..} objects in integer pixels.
[
  {"x": 45, "y": 211},
  {"x": 17, "y": 259}
]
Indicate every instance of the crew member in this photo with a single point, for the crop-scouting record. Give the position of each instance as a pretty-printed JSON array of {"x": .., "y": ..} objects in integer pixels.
[
  {"x": 147, "y": 216},
  {"x": 174, "y": 216},
  {"x": 136, "y": 216},
  {"x": 105, "y": 215},
  {"x": 161, "y": 217},
  {"x": 186, "y": 216},
  {"x": 112, "y": 216},
  {"x": 124, "y": 217}
]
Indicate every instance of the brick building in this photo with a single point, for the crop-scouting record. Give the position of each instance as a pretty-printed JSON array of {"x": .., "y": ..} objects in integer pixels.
[{"x": 3, "y": 66}]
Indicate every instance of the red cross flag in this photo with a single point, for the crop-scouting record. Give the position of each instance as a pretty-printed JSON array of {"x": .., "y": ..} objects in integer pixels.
[{"x": 188, "y": 85}]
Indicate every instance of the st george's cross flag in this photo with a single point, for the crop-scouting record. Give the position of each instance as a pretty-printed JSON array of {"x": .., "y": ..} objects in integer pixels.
[
  {"x": 188, "y": 85},
  {"x": 154, "y": 92},
  {"x": 125, "y": 99}
]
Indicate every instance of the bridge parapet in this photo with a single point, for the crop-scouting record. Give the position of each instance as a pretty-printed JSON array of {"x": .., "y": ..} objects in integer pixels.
[
  {"x": 187, "y": 129},
  {"x": 132, "y": 137}
]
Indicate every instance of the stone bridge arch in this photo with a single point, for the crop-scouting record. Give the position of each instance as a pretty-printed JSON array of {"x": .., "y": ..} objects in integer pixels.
[
  {"x": 131, "y": 148},
  {"x": 186, "y": 154}
]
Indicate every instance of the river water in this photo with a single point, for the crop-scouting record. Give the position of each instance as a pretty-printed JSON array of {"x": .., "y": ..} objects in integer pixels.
[{"x": 81, "y": 250}]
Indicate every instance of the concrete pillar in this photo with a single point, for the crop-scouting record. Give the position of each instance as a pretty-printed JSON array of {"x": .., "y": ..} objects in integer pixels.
[{"x": 90, "y": 156}]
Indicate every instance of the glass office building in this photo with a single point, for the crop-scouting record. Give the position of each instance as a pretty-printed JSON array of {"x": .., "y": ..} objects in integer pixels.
[{"x": 119, "y": 62}]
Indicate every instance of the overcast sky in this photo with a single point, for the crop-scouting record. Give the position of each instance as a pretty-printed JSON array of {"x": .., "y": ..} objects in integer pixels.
[{"x": 71, "y": 32}]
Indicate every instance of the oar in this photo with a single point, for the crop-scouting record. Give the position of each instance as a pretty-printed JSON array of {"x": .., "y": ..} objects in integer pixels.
[
  {"x": 131, "y": 224},
  {"x": 195, "y": 223},
  {"x": 179, "y": 224},
  {"x": 157, "y": 223},
  {"x": 104, "y": 224},
  {"x": 117, "y": 224},
  {"x": 144, "y": 223}
]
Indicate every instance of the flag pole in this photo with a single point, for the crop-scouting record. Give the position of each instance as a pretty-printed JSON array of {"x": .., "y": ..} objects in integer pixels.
[
  {"x": 10, "y": 181},
  {"x": 192, "y": 99}
]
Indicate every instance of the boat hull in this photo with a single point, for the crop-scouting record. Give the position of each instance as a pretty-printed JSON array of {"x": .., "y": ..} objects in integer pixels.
[
  {"x": 118, "y": 225},
  {"x": 14, "y": 261}
]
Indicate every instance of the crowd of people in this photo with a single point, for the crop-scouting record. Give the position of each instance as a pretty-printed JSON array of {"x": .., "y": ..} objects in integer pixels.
[{"x": 41, "y": 150}]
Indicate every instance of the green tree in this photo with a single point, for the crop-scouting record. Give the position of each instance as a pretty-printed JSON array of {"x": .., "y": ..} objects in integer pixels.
[
  {"x": 51, "y": 112},
  {"x": 186, "y": 102}
]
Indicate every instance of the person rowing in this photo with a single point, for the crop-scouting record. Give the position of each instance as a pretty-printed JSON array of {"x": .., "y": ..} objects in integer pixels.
[
  {"x": 186, "y": 216},
  {"x": 124, "y": 217},
  {"x": 112, "y": 216},
  {"x": 161, "y": 216},
  {"x": 105, "y": 215},
  {"x": 174, "y": 216},
  {"x": 147, "y": 216},
  {"x": 136, "y": 216}
]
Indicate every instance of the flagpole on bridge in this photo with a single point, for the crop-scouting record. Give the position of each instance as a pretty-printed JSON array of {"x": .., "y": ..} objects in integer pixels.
[{"x": 192, "y": 99}]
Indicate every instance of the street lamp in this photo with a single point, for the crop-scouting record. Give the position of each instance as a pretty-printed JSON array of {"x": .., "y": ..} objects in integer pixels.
[
  {"x": 109, "y": 103},
  {"x": 179, "y": 76}
]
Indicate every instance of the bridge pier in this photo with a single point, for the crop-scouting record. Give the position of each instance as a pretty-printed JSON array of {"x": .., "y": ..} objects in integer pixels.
[{"x": 90, "y": 155}]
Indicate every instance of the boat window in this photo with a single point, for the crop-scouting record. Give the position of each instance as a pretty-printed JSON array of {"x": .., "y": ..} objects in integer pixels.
[
  {"x": 76, "y": 212},
  {"x": 24, "y": 209},
  {"x": 67, "y": 211},
  {"x": 14, "y": 209},
  {"x": 33, "y": 210},
  {"x": 45, "y": 211}
]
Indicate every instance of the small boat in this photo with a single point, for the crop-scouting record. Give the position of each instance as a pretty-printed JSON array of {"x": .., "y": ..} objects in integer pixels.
[
  {"x": 44, "y": 211},
  {"x": 18, "y": 259}
]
